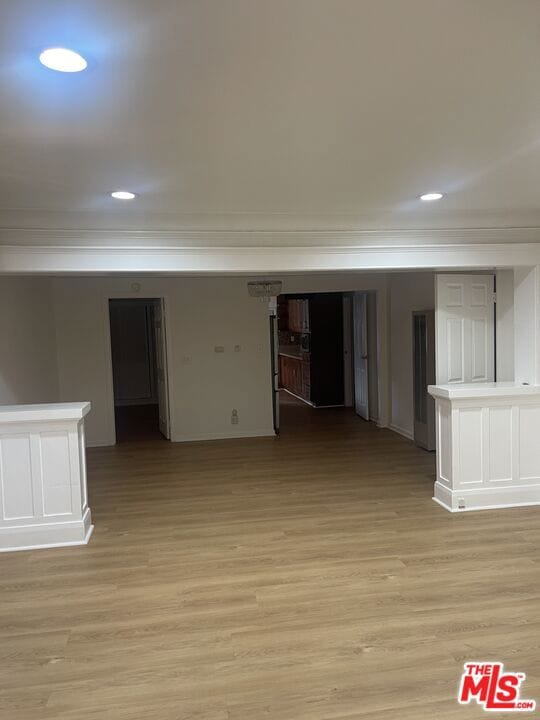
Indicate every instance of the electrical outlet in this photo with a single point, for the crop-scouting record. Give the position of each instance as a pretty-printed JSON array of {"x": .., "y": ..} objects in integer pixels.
[{"x": 234, "y": 417}]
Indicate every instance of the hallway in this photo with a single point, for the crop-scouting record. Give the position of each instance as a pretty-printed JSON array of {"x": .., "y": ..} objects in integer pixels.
[{"x": 281, "y": 578}]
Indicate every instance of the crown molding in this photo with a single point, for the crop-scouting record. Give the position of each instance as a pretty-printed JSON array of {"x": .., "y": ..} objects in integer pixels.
[
  {"x": 413, "y": 217},
  {"x": 155, "y": 239}
]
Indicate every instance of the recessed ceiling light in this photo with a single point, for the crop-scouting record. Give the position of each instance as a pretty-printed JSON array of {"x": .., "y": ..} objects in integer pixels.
[
  {"x": 429, "y": 197},
  {"x": 123, "y": 195},
  {"x": 62, "y": 60}
]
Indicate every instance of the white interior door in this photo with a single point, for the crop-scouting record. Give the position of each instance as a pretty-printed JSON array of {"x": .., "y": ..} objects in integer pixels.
[
  {"x": 161, "y": 368},
  {"x": 464, "y": 329},
  {"x": 360, "y": 335}
]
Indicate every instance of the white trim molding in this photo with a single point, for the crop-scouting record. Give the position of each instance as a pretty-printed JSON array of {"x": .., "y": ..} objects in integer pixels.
[
  {"x": 232, "y": 435},
  {"x": 487, "y": 445},
  {"x": 244, "y": 251},
  {"x": 43, "y": 493},
  {"x": 19, "y": 259},
  {"x": 253, "y": 238}
]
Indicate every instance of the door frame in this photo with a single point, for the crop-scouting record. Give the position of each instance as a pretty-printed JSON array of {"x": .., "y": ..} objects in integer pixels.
[
  {"x": 274, "y": 365},
  {"x": 348, "y": 349},
  {"x": 427, "y": 441},
  {"x": 356, "y": 357},
  {"x": 159, "y": 302},
  {"x": 110, "y": 381}
]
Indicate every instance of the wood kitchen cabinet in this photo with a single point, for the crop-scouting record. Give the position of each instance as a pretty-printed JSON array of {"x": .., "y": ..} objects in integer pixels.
[
  {"x": 294, "y": 375},
  {"x": 306, "y": 380}
]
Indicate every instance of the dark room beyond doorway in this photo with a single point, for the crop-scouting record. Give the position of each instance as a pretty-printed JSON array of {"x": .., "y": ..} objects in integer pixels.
[{"x": 139, "y": 368}]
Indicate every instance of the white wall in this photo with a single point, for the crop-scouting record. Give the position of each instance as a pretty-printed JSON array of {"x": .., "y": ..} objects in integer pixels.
[
  {"x": 28, "y": 371},
  {"x": 84, "y": 352},
  {"x": 408, "y": 292},
  {"x": 205, "y": 386}
]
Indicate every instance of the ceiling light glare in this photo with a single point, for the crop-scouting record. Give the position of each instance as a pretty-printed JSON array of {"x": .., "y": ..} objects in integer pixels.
[
  {"x": 431, "y": 196},
  {"x": 123, "y": 195},
  {"x": 63, "y": 60}
]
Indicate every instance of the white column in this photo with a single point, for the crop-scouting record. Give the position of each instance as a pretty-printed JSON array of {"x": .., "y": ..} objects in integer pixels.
[
  {"x": 488, "y": 455},
  {"x": 43, "y": 494}
]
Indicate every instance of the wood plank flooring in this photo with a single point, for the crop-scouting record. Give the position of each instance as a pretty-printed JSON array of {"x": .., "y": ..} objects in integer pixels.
[{"x": 309, "y": 577}]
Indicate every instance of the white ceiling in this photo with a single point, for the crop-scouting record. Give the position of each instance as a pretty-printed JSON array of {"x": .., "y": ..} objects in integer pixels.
[{"x": 313, "y": 114}]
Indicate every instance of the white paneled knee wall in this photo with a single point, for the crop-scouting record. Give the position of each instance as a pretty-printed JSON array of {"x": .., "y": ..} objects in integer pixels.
[
  {"x": 43, "y": 498},
  {"x": 488, "y": 445}
]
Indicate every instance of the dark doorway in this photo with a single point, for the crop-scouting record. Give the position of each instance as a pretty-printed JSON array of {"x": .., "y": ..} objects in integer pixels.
[
  {"x": 135, "y": 368},
  {"x": 309, "y": 354}
]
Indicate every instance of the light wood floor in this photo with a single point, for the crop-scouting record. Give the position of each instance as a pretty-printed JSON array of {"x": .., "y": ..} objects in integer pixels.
[{"x": 309, "y": 577}]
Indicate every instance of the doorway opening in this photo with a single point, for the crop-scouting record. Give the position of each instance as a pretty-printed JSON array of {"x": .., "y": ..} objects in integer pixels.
[
  {"x": 423, "y": 329},
  {"x": 319, "y": 340},
  {"x": 139, "y": 368}
]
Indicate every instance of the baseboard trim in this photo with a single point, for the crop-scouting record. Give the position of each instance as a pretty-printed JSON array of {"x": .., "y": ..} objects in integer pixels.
[
  {"x": 234, "y": 435},
  {"x": 100, "y": 443},
  {"x": 47, "y": 535},
  {"x": 401, "y": 431},
  {"x": 486, "y": 498}
]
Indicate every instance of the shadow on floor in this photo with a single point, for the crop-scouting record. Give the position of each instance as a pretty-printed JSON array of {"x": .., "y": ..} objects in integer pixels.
[
  {"x": 137, "y": 422},
  {"x": 298, "y": 417}
]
